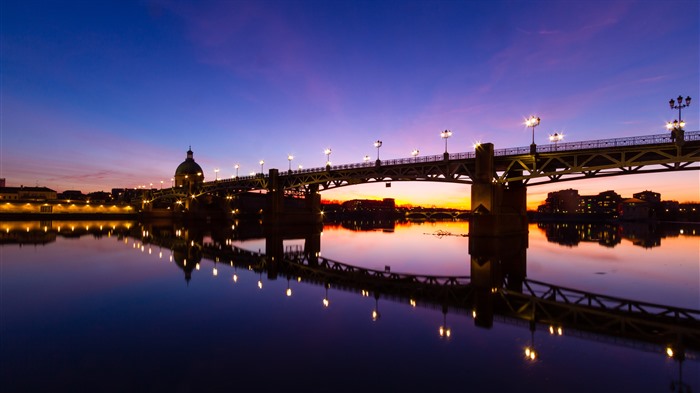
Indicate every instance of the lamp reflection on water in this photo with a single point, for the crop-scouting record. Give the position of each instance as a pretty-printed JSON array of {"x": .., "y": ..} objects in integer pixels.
[
  {"x": 326, "y": 303},
  {"x": 444, "y": 330},
  {"x": 375, "y": 313},
  {"x": 530, "y": 352}
]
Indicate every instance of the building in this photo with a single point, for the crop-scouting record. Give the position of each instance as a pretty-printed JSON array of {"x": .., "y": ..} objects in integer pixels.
[
  {"x": 648, "y": 196},
  {"x": 561, "y": 202},
  {"x": 189, "y": 174},
  {"x": 633, "y": 209},
  {"x": 607, "y": 203},
  {"x": 27, "y": 193}
]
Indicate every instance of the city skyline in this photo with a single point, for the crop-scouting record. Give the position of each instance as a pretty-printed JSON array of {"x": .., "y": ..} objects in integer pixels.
[{"x": 90, "y": 102}]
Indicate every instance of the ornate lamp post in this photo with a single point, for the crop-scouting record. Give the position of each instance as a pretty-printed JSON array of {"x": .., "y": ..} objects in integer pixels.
[
  {"x": 216, "y": 174},
  {"x": 290, "y": 158},
  {"x": 556, "y": 137},
  {"x": 533, "y": 122},
  {"x": 237, "y": 166},
  {"x": 414, "y": 153},
  {"x": 378, "y": 144},
  {"x": 444, "y": 135},
  {"x": 327, "y": 152},
  {"x": 676, "y": 128},
  {"x": 262, "y": 163},
  {"x": 365, "y": 158}
]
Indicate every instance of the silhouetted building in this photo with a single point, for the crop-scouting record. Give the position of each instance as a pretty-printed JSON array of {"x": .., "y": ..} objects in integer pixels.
[
  {"x": 648, "y": 196},
  {"x": 607, "y": 203},
  {"x": 562, "y": 202},
  {"x": 189, "y": 174},
  {"x": 27, "y": 193},
  {"x": 634, "y": 209},
  {"x": 73, "y": 195}
]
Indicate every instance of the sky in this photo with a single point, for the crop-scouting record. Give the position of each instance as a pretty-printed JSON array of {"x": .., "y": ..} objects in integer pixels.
[{"x": 106, "y": 94}]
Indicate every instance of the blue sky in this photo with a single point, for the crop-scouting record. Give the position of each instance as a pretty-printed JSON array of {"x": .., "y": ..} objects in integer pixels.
[{"x": 103, "y": 94}]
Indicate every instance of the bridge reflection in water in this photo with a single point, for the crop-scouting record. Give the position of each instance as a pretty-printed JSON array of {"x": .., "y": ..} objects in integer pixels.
[{"x": 497, "y": 289}]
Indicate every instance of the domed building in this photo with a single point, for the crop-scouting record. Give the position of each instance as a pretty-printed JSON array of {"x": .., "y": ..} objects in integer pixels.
[{"x": 189, "y": 172}]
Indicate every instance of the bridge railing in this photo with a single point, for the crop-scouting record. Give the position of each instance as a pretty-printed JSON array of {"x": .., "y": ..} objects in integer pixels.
[
  {"x": 510, "y": 151},
  {"x": 598, "y": 144}
]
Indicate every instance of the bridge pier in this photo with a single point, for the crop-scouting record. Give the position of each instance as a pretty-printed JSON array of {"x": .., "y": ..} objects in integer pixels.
[
  {"x": 495, "y": 261},
  {"x": 284, "y": 211},
  {"x": 497, "y": 209}
]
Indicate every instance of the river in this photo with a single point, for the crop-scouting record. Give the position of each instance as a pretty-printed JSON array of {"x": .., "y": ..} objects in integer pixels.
[{"x": 123, "y": 306}]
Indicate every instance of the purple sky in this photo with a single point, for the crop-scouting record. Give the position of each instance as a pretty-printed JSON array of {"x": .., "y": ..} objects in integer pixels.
[{"x": 100, "y": 94}]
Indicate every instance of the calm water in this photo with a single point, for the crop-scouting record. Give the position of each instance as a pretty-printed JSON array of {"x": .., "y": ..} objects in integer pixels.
[{"x": 117, "y": 306}]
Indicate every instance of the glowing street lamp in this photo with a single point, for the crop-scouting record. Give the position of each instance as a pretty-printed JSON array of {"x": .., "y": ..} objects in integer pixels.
[
  {"x": 414, "y": 153},
  {"x": 290, "y": 158},
  {"x": 676, "y": 127},
  {"x": 327, "y": 152},
  {"x": 556, "y": 137},
  {"x": 533, "y": 122},
  {"x": 679, "y": 106},
  {"x": 365, "y": 158},
  {"x": 444, "y": 135},
  {"x": 378, "y": 144},
  {"x": 161, "y": 184},
  {"x": 216, "y": 174},
  {"x": 262, "y": 163},
  {"x": 237, "y": 166}
]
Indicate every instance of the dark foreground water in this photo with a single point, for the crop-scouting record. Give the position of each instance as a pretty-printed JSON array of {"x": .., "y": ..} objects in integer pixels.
[{"x": 123, "y": 307}]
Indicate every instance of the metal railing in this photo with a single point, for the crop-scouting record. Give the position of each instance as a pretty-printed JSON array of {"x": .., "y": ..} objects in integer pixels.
[{"x": 510, "y": 151}]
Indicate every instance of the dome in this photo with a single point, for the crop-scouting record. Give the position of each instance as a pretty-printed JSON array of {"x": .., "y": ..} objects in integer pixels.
[{"x": 189, "y": 167}]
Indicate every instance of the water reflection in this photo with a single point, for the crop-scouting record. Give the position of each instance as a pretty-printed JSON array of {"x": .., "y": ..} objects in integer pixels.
[
  {"x": 497, "y": 291},
  {"x": 642, "y": 234}
]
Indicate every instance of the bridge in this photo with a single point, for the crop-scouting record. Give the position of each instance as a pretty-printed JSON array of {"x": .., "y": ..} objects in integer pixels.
[{"x": 498, "y": 178}]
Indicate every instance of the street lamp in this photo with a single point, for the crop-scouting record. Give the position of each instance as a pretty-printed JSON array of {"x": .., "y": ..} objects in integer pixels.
[
  {"x": 414, "y": 153},
  {"x": 533, "y": 122},
  {"x": 327, "y": 152},
  {"x": 290, "y": 158},
  {"x": 365, "y": 158},
  {"x": 444, "y": 135},
  {"x": 237, "y": 166},
  {"x": 680, "y": 105},
  {"x": 556, "y": 137},
  {"x": 262, "y": 163},
  {"x": 216, "y": 174},
  {"x": 676, "y": 127},
  {"x": 161, "y": 184},
  {"x": 378, "y": 144}
]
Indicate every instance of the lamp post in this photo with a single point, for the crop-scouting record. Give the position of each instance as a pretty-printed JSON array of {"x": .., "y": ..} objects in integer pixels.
[
  {"x": 444, "y": 135},
  {"x": 327, "y": 152},
  {"x": 378, "y": 144},
  {"x": 237, "y": 166},
  {"x": 533, "y": 122},
  {"x": 161, "y": 184},
  {"x": 262, "y": 163},
  {"x": 680, "y": 105},
  {"x": 556, "y": 137},
  {"x": 290, "y": 158},
  {"x": 216, "y": 174},
  {"x": 676, "y": 128},
  {"x": 365, "y": 158},
  {"x": 414, "y": 153}
]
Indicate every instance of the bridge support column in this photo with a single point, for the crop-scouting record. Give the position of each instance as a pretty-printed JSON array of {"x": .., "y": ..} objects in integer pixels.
[
  {"x": 497, "y": 210},
  {"x": 495, "y": 261}
]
